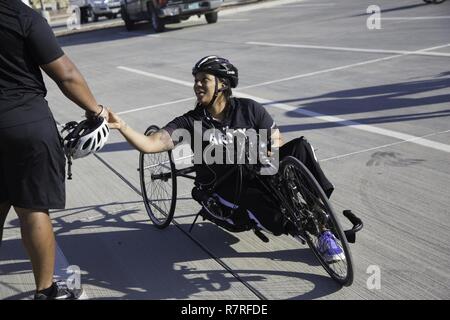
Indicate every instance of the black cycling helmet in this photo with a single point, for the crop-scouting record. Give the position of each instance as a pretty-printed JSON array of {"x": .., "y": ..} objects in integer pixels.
[{"x": 220, "y": 67}]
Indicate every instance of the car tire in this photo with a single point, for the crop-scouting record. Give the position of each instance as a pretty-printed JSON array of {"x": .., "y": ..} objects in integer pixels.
[
  {"x": 211, "y": 17},
  {"x": 84, "y": 15},
  {"x": 92, "y": 14},
  {"x": 129, "y": 24},
  {"x": 156, "y": 22}
]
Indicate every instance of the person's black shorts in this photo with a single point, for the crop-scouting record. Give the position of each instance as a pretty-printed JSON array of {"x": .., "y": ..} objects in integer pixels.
[{"x": 32, "y": 166}]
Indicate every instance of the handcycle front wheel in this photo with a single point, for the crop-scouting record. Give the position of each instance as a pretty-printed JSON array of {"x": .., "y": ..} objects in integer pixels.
[
  {"x": 158, "y": 184},
  {"x": 313, "y": 215}
]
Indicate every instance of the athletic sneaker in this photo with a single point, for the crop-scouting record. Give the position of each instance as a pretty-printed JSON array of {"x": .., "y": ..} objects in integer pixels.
[
  {"x": 329, "y": 248},
  {"x": 58, "y": 291}
]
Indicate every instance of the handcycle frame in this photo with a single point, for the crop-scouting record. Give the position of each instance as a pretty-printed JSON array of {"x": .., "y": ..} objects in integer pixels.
[
  {"x": 273, "y": 184},
  {"x": 272, "y": 191}
]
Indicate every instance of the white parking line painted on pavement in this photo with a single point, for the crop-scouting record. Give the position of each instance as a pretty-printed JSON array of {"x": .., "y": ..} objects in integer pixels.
[
  {"x": 157, "y": 76},
  {"x": 362, "y": 63},
  {"x": 354, "y": 124},
  {"x": 301, "y": 46},
  {"x": 416, "y": 18},
  {"x": 316, "y": 115},
  {"x": 382, "y": 146},
  {"x": 155, "y": 105},
  {"x": 136, "y": 33},
  {"x": 308, "y": 5},
  {"x": 257, "y": 6},
  {"x": 233, "y": 20},
  {"x": 405, "y": 53}
]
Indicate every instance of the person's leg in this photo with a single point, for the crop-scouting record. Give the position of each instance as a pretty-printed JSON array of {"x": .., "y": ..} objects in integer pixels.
[
  {"x": 261, "y": 208},
  {"x": 39, "y": 241},
  {"x": 4, "y": 209},
  {"x": 253, "y": 203},
  {"x": 33, "y": 182},
  {"x": 301, "y": 149},
  {"x": 4, "y": 202}
]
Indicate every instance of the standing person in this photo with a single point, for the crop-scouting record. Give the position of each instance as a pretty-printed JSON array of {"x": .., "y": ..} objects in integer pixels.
[{"x": 32, "y": 162}]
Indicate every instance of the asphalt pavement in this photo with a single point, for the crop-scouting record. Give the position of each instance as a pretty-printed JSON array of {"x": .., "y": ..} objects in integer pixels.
[{"x": 373, "y": 102}]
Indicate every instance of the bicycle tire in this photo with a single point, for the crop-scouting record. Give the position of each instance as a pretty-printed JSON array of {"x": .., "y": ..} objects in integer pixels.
[
  {"x": 308, "y": 192},
  {"x": 156, "y": 192}
]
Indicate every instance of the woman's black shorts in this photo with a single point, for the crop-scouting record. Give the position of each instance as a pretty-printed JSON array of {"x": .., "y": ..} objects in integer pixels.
[{"x": 32, "y": 166}]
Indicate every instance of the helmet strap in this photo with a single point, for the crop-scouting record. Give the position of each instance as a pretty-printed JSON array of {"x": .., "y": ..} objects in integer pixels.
[
  {"x": 216, "y": 93},
  {"x": 69, "y": 167}
]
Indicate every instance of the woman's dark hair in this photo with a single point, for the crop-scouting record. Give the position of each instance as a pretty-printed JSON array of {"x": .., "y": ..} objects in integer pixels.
[{"x": 227, "y": 92}]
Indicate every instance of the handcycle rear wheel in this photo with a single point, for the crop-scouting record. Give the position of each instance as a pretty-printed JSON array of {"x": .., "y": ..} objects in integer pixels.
[
  {"x": 313, "y": 214},
  {"x": 158, "y": 184}
]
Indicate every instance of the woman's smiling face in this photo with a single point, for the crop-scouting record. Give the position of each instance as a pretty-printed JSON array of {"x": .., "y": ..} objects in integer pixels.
[{"x": 204, "y": 86}]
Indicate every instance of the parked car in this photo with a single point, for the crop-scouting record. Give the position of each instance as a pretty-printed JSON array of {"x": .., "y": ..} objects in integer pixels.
[
  {"x": 162, "y": 12},
  {"x": 92, "y": 9}
]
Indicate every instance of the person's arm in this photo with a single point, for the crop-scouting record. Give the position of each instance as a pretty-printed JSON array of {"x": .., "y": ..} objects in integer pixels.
[
  {"x": 46, "y": 52},
  {"x": 154, "y": 143},
  {"x": 71, "y": 82}
]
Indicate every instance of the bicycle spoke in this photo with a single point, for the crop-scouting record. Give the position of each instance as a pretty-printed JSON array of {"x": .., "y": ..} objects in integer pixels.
[
  {"x": 158, "y": 186},
  {"x": 316, "y": 217}
]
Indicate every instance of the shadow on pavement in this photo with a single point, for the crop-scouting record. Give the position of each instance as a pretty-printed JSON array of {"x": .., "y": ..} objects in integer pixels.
[
  {"x": 372, "y": 99},
  {"x": 395, "y": 9},
  {"x": 131, "y": 259},
  {"x": 116, "y": 146}
]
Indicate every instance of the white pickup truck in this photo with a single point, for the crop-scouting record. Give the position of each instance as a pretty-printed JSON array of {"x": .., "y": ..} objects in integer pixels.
[
  {"x": 161, "y": 12},
  {"x": 92, "y": 9}
]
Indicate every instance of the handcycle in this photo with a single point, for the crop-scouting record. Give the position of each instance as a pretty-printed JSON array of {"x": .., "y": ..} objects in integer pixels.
[{"x": 302, "y": 202}]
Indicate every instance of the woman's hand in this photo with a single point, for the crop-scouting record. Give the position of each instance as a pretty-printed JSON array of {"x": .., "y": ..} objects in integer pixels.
[
  {"x": 115, "y": 122},
  {"x": 154, "y": 143}
]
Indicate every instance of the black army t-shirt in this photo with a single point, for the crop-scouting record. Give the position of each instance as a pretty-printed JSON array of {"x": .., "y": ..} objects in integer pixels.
[
  {"x": 26, "y": 42},
  {"x": 242, "y": 114}
]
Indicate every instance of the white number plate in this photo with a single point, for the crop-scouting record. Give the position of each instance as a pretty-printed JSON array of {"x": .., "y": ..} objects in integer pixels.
[{"x": 194, "y": 6}]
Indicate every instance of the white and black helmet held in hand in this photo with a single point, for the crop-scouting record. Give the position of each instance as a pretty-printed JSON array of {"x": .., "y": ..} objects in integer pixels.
[{"x": 85, "y": 137}]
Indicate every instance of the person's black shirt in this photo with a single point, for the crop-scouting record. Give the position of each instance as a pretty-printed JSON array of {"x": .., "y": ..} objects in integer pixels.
[
  {"x": 26, "y": 42},
  {"x": 240, "y": 114}
]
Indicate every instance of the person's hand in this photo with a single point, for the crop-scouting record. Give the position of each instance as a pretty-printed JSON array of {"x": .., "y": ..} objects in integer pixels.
[
  {"x": 103, "y": 112},
  {"x": 114, "y": 121}
]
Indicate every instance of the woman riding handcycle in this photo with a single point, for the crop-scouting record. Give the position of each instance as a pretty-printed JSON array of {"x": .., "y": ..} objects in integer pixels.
[{"x": 242, "y": 186}]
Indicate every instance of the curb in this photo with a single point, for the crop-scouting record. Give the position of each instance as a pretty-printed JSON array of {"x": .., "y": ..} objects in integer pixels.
[{"x": 113, "y": 24}]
